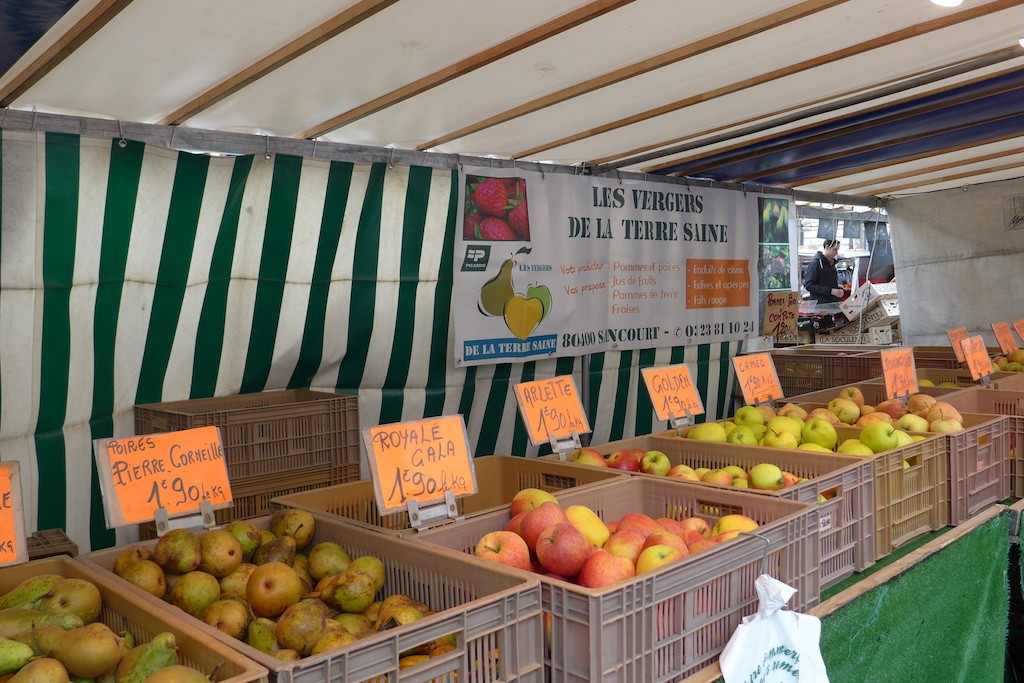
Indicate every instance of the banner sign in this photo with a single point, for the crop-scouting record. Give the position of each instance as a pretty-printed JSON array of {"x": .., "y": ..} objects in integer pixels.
[{"x": 554, "y": 265}]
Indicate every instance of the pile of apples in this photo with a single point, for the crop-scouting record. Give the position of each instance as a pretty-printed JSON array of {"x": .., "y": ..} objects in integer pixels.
[
  {"x": 1011, "y": 362},
  {"x": 273, "y": 589},
  {"x": 574, "y": 544}
]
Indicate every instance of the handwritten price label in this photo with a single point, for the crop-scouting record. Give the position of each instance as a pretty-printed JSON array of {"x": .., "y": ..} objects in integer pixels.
[
  {"x": 977, "y": 358},
  {"x": 1019, "y": 327},
  {"x": 175, "y": 471},
  {"x": 1004, "y": 336},
  {"x": 13, "y": 546},
  {"x": 672, "y": 391},
  {"x": 551, "y": 408},
  {"x": 899, "y": 371},
  {"x": 781, "y": 310},
  {"x": 758, "y": 377},
  {"x": 419, "y": 460},
  {"x": 956, "y": 337}
]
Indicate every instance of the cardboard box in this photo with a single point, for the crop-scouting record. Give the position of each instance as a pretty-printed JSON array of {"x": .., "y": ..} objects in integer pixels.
[
  {"x": 880, "y": 334},
  {"x": 868, "y": 293},
  {"x": 842, "y": 338},
  {"x": 881, "y": 313}
]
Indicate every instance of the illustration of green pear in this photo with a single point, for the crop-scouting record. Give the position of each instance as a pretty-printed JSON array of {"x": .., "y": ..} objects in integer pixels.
[{"x": 497, "y": 291}]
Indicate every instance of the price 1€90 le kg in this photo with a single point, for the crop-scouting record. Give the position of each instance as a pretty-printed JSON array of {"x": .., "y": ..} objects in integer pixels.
[{"x": 178, "y": 493}]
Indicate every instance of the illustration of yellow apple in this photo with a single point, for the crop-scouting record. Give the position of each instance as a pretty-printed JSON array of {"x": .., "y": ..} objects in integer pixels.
[{"x": 522, "y": 315}]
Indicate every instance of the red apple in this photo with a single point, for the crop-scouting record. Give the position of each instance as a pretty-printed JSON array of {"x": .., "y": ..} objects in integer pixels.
[
  {"x": 638, "y": 521},
  {"x": 588, "y": 456},
  {"x": 504, "y": 547},
  {"x": 529, "y": 499},
  {"x": 920, "y": 404},
  {"x": 852, "y": 393},
  {"x": 698, "y": 524},
  {"x": 515, "y": 524},
  {"x": 941, "y": 410},
  {"x": 683, "y": 472},
  {"x": 538, "y": 520},
  {"x": 603, "y": 569},
  {"x": 669, "y": 524},
  {"x": 894, "y": 407},
  {"x": 562, "y": 549},
  {"x": 825, "y": 413},
  {"x": 625, "y": 460},
  {"x": 700, "y": 546},
  {"x": 666, "y": 538},
  {"x": 626, "y": 543},
  {"x": 690, "y": 537}
]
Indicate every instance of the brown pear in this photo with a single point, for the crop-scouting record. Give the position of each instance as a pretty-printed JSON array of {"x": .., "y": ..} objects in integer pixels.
[
  {"x": 130, "y": 556},
  {"x": 220, "y": 553},
  {"x": 286, "y": 655},
  {"x": 326, "y": 558},
  {"x": 73, "y": 596},
  {"x": 86, "y": 652},
  {"x": 178, "y": 551},
  {"x": 298, "y": 524},
  {"x": 194, "y": 592},
  {"x": 42, "y": 670},
  {"x": 177, "y": 673},
  {"x": 301, "y": 626},
  {"x": 373, "y": 566},
  {"x": 272, "y": 588},
  {"x": 234, "y": 583},
  {"x": 260, "y": 635},
  {"x": 15, "y": 620},
  {"x": 301, "y": 566},
  {"x": 279, "y": 550},
  {"x": 266, "y": 535},
  {"x": 353, "y": 623},
  {"x": 247, "y": 535},
  {"x": 354, "y": 592},
  {"x": 229, "y": 615},
  {"x": 147, "y": 575},
  {"x": 333, "y": 640}
]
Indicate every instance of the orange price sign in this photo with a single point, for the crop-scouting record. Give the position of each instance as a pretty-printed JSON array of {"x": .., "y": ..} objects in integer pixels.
[
  {"x": 1019, "y": 326},
  {"x": 899, "y": 371},
  {"x": 175, "y": 471},
  {"x": 757, "y": 377},
  {"x": 956, "y": 336},
  {"x": 13, "y": 545},
  {"x": 419, "y": 460},
  {"x": 977, "y": 358},
  {"x": 1004, "y": 336},
  {"x": 672, "y": 391},
  {"x": 551, "y": 408}
]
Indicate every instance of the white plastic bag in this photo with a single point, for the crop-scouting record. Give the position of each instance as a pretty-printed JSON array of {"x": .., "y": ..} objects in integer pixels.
[{"x": 774, "y": 645}]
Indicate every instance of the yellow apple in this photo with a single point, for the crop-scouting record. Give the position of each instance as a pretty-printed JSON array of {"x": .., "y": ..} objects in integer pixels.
[
  {"x": 588, "y": 523},
  {"x": 733, "y": 522}
]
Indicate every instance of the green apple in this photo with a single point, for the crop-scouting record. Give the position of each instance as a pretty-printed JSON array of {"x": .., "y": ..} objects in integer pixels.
[
  {"x": 854, "y": 447},
  {"x": 820, "y": 431},
  {"x": 911, "y": 423},
  {"x": 902, "y": 438},
  {"x": 787, "y": 424},
  {"x": 742, "y": 434},
  {"x": 655, "y": 462},
  {"x": 707, "y": 431},
  {"x": 879, "y": 437},
  {"x": 809, "y": 446},
  {"x": 845, "y": 409},
  {"x": 748, "y": 415},
  {"x": 765, "y": 476},
  {"x": 736, "y": 471},
  {"x": 775, "y": 438}
]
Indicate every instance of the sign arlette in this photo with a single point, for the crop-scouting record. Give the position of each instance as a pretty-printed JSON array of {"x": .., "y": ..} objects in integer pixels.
[
  {"x": 673, "y": 393},
  {"x": 899, "y": 372},
  {"x": 758, "y": 378},
  {"x": 175, "y": 471},
  {"x": 13, "y": 544},
  {"x": 551, "y": 409},
  {"x": 419, "y": 460},
  {"x": 554, "y": 264},
  {"x": 956, "y": 337}
]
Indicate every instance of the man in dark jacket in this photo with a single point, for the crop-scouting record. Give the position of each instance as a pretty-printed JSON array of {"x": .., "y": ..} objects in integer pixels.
[{"x": 821, "y": 278}]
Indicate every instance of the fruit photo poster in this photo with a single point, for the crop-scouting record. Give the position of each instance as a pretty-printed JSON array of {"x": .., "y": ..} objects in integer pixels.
[{"x": 553, "y": 264}]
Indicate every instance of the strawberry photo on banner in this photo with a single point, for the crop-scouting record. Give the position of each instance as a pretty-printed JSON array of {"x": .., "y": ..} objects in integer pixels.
[{"x": 496, "y": 209}]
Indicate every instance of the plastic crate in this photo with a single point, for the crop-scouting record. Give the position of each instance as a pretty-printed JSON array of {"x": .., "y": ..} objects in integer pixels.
[
  {"x": 492, "y": 612},
  {"x": 1009, "y": 404},
  {"x": 253, "y": 498},
  {"x": 270, "y": 433},
  {"x": 847, "y": 531},
  {"x": 874, "y": 393},
  {"x": 123, "y": 610},
  {"x": 668, "y": 623},
  {"x": 812, "y": 367},
  {"x": 979, "y": 465},
  {"x": 498, "y": 477},
  {"x": 50, "y": 542}
]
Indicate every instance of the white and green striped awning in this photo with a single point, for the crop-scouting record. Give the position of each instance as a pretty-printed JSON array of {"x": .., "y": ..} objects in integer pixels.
[{"x": 136, "y": 274}]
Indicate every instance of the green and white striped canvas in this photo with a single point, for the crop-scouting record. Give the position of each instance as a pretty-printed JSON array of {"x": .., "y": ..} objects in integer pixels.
[{"x": 141, "y": 274}]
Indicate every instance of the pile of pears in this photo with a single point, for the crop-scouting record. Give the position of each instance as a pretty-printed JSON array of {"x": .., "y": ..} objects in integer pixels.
[
  {"x": 273, "y": 589},
  {"x": 50, "y": 633}
]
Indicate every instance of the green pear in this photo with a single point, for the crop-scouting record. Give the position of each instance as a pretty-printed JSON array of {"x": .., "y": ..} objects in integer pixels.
[
  {"x": 326, "y": 558},
  {"x": 29, "y": 590},
  {"x": 333, "y": 640},
  {"x": 15, "y": 620},
  {"x": 247, "y": 535},
  {"x": 72, "y": 596},
  {"x": 229, "y": 615},
  {"x": 177, "y": 673},
  {"x": 301, "y": 566},
  {"x": 147, "y": 575},
  {"x": 88, "y": 651},
  {"x": 14, "y": 655},
  {"x": 178, "y": 551},
  {"x": 260, "y": 635},
  {"x": 354, "y": 592},
  {"x": 234, "y": 583},
  {"x": 368, "y": 564},
  {"x": 298, "y": 524},
  {"x": 301, "y": 625},
  {"x": 142, "y": 660},
  {"x": 194, "y": 592},
  {"x": 281, "y": 549},
  {"x": 353, "y": 623},
  {"x": 130, "y": 556},
  {"x": 286, "y": 655},
  {"x": 42, "y": 670},
  {"x": 266, "y": 536},
  {"x": 220, "y": 553}
]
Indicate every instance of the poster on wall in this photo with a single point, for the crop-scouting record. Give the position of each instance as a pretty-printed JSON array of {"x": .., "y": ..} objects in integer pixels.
[{"x": 555, "y": 264}]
